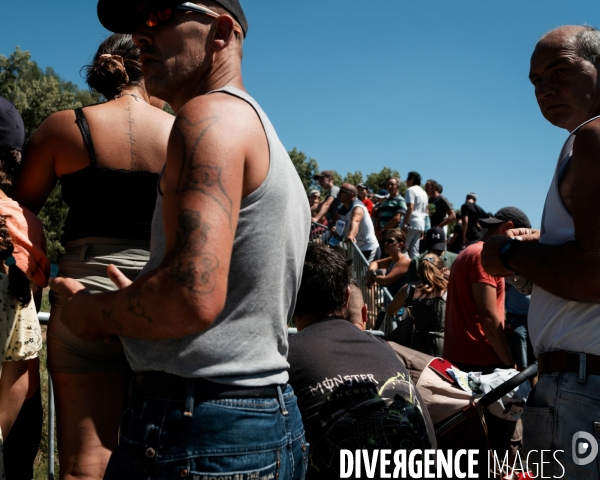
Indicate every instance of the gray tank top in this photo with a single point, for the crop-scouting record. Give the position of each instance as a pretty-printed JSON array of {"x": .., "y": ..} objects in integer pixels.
[{"x": 247, "y": 344}]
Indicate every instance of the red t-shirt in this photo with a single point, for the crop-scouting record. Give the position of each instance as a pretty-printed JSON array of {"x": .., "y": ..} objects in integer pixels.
[
  {"x": 464, "y": 340},
  {"x": 369, "y": 204}
]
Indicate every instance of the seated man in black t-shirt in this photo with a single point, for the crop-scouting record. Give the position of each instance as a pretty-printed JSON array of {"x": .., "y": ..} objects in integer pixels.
[{"x": 352, "y": 390}]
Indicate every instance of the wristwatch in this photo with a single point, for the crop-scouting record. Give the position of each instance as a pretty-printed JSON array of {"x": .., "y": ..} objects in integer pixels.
[{"x": 507, "y": 250}]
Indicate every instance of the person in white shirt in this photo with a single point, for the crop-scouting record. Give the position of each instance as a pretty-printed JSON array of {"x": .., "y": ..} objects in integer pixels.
[
  {"x": 416, "y": 212},
  {"x": 359, "y": 226},
  {"x": 562, "y": 261}
]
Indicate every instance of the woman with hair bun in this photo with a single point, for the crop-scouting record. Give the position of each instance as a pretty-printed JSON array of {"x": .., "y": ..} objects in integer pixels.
[
  {"x": 427, "y": 308},
  {"x": 107, "y": 158}
]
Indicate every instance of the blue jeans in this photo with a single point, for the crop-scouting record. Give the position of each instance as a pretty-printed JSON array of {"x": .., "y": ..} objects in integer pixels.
[
  {"x": 222, "y": 439},
  {"x": 557, "y": 408}
]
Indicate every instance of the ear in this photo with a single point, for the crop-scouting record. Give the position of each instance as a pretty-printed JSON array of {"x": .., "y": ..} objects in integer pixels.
[
  {"x": 507, "y": 226},
  {"x": 224, "y": 28},
  {"x": 347, "y": 297},
  {"x": 364, "y": 312}
]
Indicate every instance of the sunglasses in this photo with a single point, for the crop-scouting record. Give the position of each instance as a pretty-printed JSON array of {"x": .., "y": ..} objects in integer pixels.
[
  {"x": 390, "y": 241},
  {"x": 156, "y": 18},
  {"x": 346, "y": 191}
]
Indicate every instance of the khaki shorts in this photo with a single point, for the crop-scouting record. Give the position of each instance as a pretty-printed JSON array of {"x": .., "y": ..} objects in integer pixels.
[{"x": 86, "y": 260}]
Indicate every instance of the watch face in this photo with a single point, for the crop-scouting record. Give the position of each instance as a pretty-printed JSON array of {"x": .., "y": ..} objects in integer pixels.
[{"x": 505, "y": 246}]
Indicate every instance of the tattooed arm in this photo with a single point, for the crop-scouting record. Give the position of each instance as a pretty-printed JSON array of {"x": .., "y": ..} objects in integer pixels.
[{"x": 217, "y": 154}]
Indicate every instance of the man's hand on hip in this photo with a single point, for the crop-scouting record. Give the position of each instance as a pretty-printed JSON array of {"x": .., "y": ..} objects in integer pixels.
[{"x": 71, "y": 293}]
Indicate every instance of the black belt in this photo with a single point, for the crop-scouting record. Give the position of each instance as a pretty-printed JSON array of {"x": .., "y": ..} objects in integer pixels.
[
  {"x": 167, "y": 385},
  {"x": 562, "y": 361}
]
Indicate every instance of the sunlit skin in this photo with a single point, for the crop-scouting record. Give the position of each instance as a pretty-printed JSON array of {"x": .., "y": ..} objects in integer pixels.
[{"x": 566, "y": 85}]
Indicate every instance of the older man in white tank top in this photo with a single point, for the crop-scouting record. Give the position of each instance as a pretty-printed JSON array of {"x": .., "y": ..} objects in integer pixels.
[{"x": 563, "y": 260}]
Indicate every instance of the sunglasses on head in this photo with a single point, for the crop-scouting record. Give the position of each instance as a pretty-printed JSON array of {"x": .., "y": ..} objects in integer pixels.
[{"x": 155, "y": 18}]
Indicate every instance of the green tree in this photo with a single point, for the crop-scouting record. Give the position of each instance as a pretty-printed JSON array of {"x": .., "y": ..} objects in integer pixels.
[
  {"x": 376, "y": 181},
  {"x": 37, "y": 94},
  {"x": 354, "y": 178},
  {"x": 337, "y": 178},
  {"x": 306, "y": 167}
]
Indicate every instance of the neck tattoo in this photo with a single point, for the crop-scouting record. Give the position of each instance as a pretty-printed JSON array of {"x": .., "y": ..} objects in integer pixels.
[{"x": 137, "y": 97}]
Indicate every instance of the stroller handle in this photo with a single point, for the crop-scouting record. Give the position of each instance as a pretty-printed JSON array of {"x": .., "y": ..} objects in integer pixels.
[{"x": 513, "y": 382}]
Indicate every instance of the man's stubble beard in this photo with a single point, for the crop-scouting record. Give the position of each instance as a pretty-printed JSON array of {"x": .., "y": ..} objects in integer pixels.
[{"x": 169, "y": 83}]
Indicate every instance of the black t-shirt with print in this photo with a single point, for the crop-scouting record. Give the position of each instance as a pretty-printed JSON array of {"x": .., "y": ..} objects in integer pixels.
[
  {"x": 334, "y": 366},
  {"x": 438, "y": 207}
]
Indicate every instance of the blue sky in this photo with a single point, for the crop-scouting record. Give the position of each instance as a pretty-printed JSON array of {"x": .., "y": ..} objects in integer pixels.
[{"x": 436, "y": 86}]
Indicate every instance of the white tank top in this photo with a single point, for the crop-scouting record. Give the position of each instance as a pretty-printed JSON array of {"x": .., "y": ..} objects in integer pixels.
[
  {"x": 556, "y": 323},
  {"x": 365, "y": 238}
]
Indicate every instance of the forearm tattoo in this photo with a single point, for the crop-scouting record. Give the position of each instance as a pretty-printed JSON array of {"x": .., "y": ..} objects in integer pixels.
[
  {"x": 109, "y": 318},
  {"x": 195, "y": 176},
  {"x": 134, "y": 304},
  {"x": 190, "y": 264}
]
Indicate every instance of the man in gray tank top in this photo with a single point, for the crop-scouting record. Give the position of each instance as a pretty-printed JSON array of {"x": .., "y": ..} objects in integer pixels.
[
  {"x": 562, "y": 262},
  {"x": 204, "y": 327}
]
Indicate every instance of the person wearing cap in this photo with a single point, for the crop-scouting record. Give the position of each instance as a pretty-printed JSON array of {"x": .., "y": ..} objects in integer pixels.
[
  {"x": 363, "y": 191},
  {"x": 471, "y": 214},
  {"x": 204, "y": 326},
  {"x": 314, "y": 198},
  {"x": 475, "y": 339},
  {"x": 331, "y": 203},
  {"x": 358, "y": 224},
  {"x": 435, "y": 242},
  {"x": 561, "y": 262},
  {"x": 391, "y": 210}
]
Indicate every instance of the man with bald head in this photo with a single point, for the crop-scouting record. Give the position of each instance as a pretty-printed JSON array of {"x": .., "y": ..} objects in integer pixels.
[
  {"x": 359, "y": 226},
  {"x": 562, "y": 261}
]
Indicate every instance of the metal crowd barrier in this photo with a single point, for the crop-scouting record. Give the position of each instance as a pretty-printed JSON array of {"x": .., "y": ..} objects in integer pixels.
[
  {"x": 43, "y": 317},
  {"x": 376, "y": 297}
]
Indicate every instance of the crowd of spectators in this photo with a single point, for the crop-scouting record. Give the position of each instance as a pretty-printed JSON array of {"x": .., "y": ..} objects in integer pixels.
[
  {"x": 202, "y": 329},
  {"x": 423, "y": 225}
]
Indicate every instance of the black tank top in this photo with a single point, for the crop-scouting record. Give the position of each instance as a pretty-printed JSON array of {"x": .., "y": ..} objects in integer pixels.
[{"x": 107, "y": 202}]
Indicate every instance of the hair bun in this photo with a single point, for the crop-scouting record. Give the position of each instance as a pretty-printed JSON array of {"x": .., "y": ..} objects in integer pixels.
[{"x": 115, "y": 65}]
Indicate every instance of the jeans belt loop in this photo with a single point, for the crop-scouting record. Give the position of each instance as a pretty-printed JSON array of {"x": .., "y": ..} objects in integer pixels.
[
  {"x": 582, "y": 368},
  {"x": 83, "y": 252},
  {"x": 189, "y": 398},
  {"x": 281, "y": 401}
]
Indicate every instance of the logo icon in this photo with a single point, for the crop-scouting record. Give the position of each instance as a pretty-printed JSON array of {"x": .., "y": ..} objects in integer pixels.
[{"x": 584, "y": 443}]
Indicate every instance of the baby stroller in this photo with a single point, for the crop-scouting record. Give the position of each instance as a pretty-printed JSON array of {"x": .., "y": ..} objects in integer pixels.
[{"x": 458, "y": 415}]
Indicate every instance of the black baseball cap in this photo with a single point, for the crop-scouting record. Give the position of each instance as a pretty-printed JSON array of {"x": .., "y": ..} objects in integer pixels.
[
  {"x": 506, "y": 214},
  {"x": 12, "y": 129},
  {"x": 435, "y": 239},
  {"x": 123, "y": 16},
  {"x": 362, "y": 185}
]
